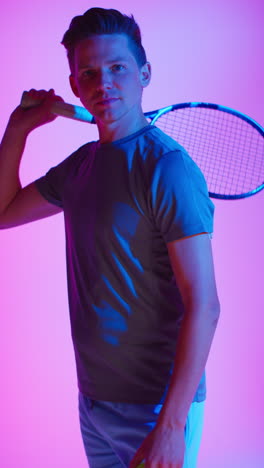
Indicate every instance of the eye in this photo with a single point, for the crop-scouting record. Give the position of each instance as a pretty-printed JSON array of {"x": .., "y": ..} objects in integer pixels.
[
  {"x": 117, "y": 67},
  {"x": 88, "y": 73}
]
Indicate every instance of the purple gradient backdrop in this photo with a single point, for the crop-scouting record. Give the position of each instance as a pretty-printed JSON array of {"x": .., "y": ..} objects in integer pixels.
[{"x": 210, "y": 51}]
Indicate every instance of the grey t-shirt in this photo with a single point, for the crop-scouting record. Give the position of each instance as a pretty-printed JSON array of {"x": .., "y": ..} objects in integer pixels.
[{"x": 122, "y": 202}]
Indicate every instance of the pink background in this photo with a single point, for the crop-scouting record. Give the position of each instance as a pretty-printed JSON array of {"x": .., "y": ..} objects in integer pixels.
[{"x": 206, "y": 50}]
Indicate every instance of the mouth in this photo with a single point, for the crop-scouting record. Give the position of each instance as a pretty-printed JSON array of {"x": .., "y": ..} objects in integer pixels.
[{"x": 106, "y": 102}]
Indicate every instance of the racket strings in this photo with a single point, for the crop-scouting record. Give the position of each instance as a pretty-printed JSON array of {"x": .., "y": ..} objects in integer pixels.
[{"x": 228, "y": 150}]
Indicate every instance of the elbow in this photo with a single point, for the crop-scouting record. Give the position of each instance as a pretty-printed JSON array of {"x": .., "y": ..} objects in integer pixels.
[
  {"x": 206, "y": 308},
  {"x": 3, "y": 221},
  {"x": 214, "y": 311},
  {"x": 2, "y": 225}
]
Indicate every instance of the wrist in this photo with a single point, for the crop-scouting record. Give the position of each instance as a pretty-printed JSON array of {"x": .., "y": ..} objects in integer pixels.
[
  {"x": 171, "y": 419},
  {"x": 172, "y": 424},
  {"x": 14, "y": 134}
]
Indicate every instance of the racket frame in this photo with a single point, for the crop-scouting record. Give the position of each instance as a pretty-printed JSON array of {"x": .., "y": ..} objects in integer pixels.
[{"x": 155, "y": 115}]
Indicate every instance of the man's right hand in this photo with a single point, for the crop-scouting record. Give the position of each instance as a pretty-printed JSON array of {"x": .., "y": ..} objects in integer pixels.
[
  {"x": 25, "y": 120},
  {"x": 22, "y": 205}
]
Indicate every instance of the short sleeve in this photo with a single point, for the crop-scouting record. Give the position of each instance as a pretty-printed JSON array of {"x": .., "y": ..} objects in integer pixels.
[
  {"x": 179, "y": 198},
  {"x": 52, "y": 185}
]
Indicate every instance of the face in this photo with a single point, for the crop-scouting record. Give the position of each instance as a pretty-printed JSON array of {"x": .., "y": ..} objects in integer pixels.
[{"x": 107, "y": 78}]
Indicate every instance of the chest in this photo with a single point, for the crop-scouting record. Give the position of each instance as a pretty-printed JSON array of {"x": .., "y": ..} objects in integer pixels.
[{"x": 108, "y": 197}]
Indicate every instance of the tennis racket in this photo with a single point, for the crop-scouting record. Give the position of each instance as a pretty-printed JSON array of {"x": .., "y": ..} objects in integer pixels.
[{"x": 227, "y": 145}]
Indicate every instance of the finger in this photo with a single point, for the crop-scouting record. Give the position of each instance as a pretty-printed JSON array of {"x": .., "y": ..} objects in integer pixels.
[
  {"x": 35, "y": 97},
  {"x": 137, "y": 461}
]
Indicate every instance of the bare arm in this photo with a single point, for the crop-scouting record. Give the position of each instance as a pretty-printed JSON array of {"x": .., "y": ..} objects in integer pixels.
[
  {"x": 28, "y": 205},
  {"x": 191, "y": 260},
  {"x": 192, "y": 263},
  {"x": 22, "y": 205}
]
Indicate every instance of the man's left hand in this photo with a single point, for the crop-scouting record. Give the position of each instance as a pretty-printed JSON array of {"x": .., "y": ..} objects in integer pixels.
[{"x": 163, "y": 448}]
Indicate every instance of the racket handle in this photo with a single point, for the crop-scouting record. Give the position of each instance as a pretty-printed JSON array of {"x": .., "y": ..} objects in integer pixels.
[{"x": 60, "y": 108}]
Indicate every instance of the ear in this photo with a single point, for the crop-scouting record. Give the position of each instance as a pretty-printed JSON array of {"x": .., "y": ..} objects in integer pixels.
[
  {"x": 145, "y": 74},
  {"x": 74, "y": 86}
]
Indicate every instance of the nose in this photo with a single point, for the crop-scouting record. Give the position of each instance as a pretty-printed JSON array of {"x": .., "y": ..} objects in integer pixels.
[{"x": 103, "y": 80}]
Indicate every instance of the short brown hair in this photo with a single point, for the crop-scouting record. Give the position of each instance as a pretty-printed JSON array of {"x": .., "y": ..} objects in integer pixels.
[{"x": 98, "y": 21}]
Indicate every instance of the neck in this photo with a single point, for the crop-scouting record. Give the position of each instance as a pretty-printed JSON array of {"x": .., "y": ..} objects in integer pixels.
[{"x": 126, "y": 126}]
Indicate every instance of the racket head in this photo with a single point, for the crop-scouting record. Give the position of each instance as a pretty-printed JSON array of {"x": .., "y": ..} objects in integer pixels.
[{"x": 227, "y": 145}]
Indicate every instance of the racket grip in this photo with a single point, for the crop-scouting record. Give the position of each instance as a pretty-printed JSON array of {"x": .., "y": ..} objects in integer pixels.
[{"x": 60, "y": 108}]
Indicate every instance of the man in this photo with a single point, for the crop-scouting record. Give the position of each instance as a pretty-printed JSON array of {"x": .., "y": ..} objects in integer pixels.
[{"x": 142, "y": 294}]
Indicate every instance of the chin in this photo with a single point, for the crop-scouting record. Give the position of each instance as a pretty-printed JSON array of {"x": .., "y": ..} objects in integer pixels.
[{"x": 109, "y": 119}]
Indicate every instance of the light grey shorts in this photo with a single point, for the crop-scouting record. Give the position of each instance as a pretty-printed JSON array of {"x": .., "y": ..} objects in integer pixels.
[{"x": 112, "y": 432}]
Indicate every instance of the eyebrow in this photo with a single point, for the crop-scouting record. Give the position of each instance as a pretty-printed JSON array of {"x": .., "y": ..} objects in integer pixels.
[{"x": 117, "y": 59}]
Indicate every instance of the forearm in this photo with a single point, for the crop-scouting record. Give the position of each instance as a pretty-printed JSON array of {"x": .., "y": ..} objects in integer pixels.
[
  {"x": 192, "y": 350},
  {"x": 11, "y": 151},
  {"x": 21, "y": 123}
]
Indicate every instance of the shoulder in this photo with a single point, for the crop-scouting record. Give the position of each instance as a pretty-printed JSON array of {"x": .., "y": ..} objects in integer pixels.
[
  {"x": 75, "y": 159},
  {"x": 168, "y": 154},
  {"x": 174, "y": 164},
  {"x": 159, "y": 141},
  {"x": 83, "y": 151}
]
